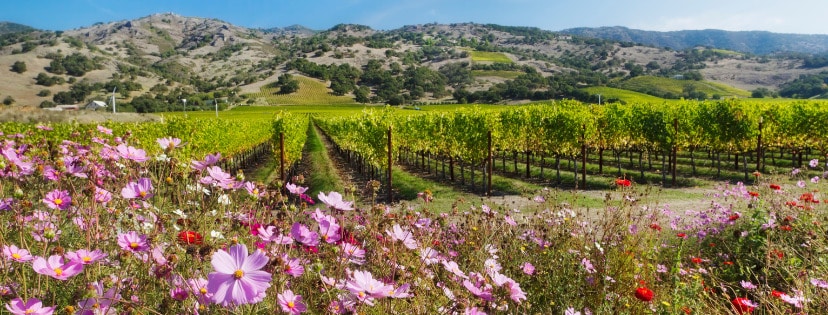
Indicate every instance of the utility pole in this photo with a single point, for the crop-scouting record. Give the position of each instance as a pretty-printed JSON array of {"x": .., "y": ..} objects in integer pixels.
[{"x": 185, "y": 106}]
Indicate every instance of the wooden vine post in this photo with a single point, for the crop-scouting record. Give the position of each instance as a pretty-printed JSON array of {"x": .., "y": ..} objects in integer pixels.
[
  {"x": 390, "y": 160},
  {"x": 489, "y": 168},
  {"x": 759, "y": 147},
  {"x": 282, "y": 156},
  {"x": 583, "y": 156},
  {"x": 675, "y": 151}
]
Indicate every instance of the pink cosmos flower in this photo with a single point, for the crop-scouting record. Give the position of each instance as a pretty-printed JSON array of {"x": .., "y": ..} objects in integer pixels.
[
  {"x": 101, "y": 302},
  {"x": 131, "y": 153},
  {"x": 31, "y": 307},
  {"x": 819, "y": 283},
  {"x": 296, "y": 189},
  {"x": 353, "y": 253},
  {"x": 179, "y": 294},
  {"x": 293, "y": 266},
  {"x": 138, "y": 190},
  {"x": 483, "y": 292},
  {"x": 168, "y": 143},
  {"x": 401, "y": 292},
  {"x": 198, "y": 287},
  {"x": 133, "y": 242},
  {"x": 528, "y": 268},
  {"x": 291, "y": 303},
  {"x": 217, "y": 177},
  {"x": 252, "y": 190},
  {"x": 452, "y": 267},
  {"x": 397, "y": 233},
  {"x": 105, "y": 130},
  {"x": 268, "y": 234},
  {"x": 329, "y": 231},
  {"x": 85, "y": 257},
  {"x": 102, "y": 196},
  {"x": 12, "y": 252},
  {"x": 303, "y": 235},
  {"x": 366, "y": 288},
  {"x": 58, "y": 199},
  {"x": 209, "y": 160},
  {"x": 334, "y": 200},
  {"x": 56, "y": 268},
  {"x": 237, "y": 278},
  {"x": 429, "y": 256}
]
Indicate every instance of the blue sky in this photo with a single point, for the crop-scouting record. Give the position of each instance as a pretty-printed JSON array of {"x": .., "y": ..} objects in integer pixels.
[{"x": 791, "y": 16}]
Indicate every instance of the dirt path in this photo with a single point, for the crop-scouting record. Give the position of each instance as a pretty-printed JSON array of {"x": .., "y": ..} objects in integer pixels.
[{"x": 352, "y": 180}]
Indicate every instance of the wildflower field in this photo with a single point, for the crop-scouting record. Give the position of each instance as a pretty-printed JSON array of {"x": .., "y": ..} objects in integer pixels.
[{"x": 95, "y": 223}]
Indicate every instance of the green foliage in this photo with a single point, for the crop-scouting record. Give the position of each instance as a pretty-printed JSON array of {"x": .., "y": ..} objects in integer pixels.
[
  {"x": 46, "y": 80},
  {"x": 19, "y": 67},
  {"x": 75, "y": 64},
  {"x": 806, "y": 86},
  {"x": 44, "y": 93}
]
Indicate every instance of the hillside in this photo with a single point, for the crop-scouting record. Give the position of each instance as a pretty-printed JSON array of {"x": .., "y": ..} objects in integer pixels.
[
  {"x": 155, "y": 61},
  {"x": 9, "y": 27},
  {"x": 754, "y": 42}
]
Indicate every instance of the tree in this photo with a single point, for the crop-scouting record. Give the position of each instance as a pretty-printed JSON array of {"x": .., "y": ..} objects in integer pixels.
[
  {"x": 18, "y": 67},
  {"x": 287, "y": 84},
  {"x": 8, "y": 100},
  {"x": 361, "y": 95}
]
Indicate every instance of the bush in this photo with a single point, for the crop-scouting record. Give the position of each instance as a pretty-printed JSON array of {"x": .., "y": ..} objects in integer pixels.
[
  {"x": 18, "y": 67},
  {"x": 8, "y": 100},
  {"x": 44, "y": 93}
]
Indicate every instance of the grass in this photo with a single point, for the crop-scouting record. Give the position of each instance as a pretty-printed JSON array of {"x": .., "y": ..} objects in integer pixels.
[
  {"x": 669, "y": 85},
  {"x": 322, "y": 175},
  {"x": 311, "y": 92},
  {"x": 488, "y": 56},
  {"x": 506, "y": 74},
  {"x": 624, "y": 95}
]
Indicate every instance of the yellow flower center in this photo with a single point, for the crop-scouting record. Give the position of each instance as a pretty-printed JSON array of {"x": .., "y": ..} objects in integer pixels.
[
  {"x": 143, "y": 194},
  {"x": 324, "y": 237},
  {"x": 30, "y": 311},
  {"x": 86, "y": 259},
  {"x": 238, "y": 274},
  {"x": 58, "y": 201},
  {"x": 133, "y": 245},
  {"x": 58, "y": 272},
  {"x": 291, "y": 304},
  {"x": 361, "y": 294},
  {"x": 255, "y": 191},
  {"x": 203, "y": 291},
  {"x": 16, "y": 256}
]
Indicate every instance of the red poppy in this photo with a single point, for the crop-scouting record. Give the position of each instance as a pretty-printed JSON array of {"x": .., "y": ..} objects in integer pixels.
[
  {"x": 728, "y": 263},
  {"x": 777, "y": 294},
  {"x": 696, "y": 260},
  {"x": 807, "y": 197},
  {"x": 786, "y": 228},
  {"x": 655, "y": 226},
  {"x": 686, "y": 310},
  {"x": 775, "y": 187},
  {"x": 790, "y": 203},
  {"x": 190, "y": 238},
  {"x": 623, "y": 182},
  {"x": 644, "y": 294},
  {"x": 682, "y": 235},
  {"x": 733, "y": 217},
  {"x": 742, "y": 305},
  {"x": 753, "y": 194}
]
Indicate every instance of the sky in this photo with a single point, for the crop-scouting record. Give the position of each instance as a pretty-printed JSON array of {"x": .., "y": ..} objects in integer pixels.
[{"x": 791, "y": 16}]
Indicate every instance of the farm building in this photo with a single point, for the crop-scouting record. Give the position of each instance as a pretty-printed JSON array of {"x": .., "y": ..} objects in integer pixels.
[{"x": 95, "y": 105}]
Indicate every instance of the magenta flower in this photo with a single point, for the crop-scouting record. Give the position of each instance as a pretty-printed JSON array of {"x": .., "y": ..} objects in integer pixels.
[
  {"x": 142, "y": 189},
  {"x": 334, "y": 200},
  {"x": 168, "y": 143},
  {"x": 31, "y": 307},
  {"x": 237, "y": 278},
  {"x": 58, "y": 199},
  {"x": 133, "y": 242},
  {"x": 56, "y": 268},
  {"x": 14, "y": 253},
  {"x": 366, "y": 288},
  {"x": 819, "y": 283},
  {"x": 303, "y": 235},
  {"x": 482, "y": 292},
  {"x": 397, "y": 233},
  {"x": 296, "y": 189},
  {"x": 131, "y": 153},
  {"x": 452, "y": 267},
  {"x": 813, "y": 163},
  {"x": 105, "y": 130},
  {"x": 291, "y": 303},
  {"x": 329, "y": 231},
  {"x": 179, "y": 294},
  {"x": 85, "y": 257},
  {"x": 252, "y": 190},
  {"x": 268, "y": 234}
]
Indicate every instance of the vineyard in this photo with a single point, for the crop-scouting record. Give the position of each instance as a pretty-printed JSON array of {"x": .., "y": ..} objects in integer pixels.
[{"x": 144, "y": 218}]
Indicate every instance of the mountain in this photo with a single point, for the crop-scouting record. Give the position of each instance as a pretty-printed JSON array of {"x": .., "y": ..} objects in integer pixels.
[
  {"x": 155, "y": 61},
  {"x": 754, "y": 42},
  {"x": 9, "y": 27}
]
